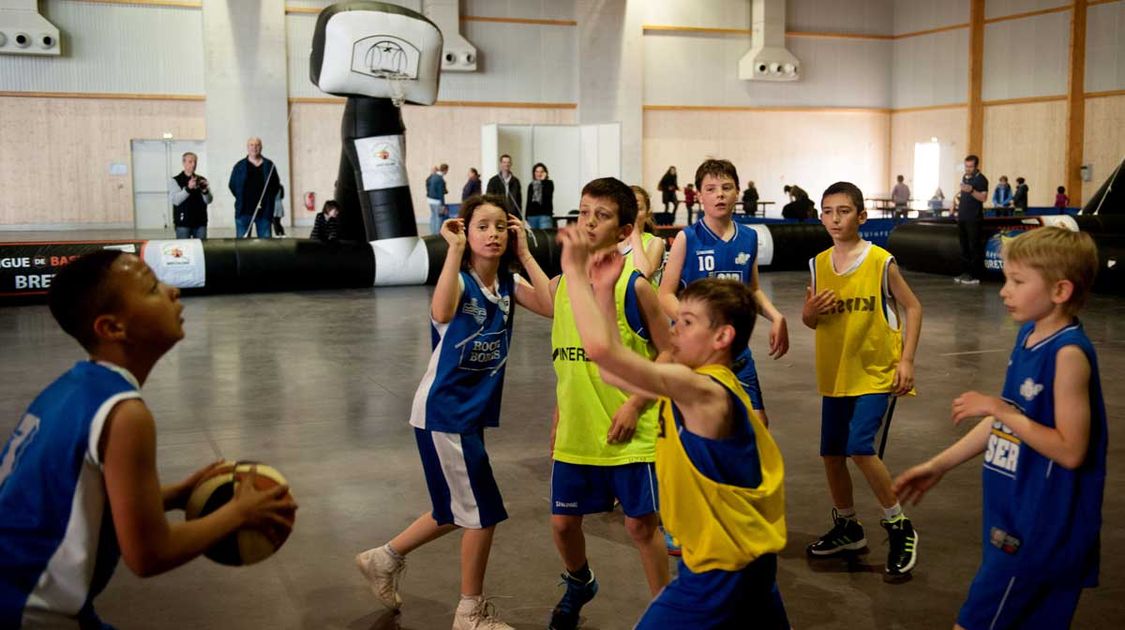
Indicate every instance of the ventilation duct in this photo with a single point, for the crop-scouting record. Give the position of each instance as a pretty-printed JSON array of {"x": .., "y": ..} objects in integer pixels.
[
  {"x": 24, "y": 32},
  {"x": 458, "y": 55},
  {"x": 768, "y": 58}
]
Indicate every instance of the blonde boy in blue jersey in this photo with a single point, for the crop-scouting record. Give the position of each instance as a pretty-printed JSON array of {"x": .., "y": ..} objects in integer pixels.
[
  {"x": 1044, "y": 442},
  {"x": 604, "y": 444},
  {"x": 720, "y": 473},
  {"x": 864, "y": 357}
]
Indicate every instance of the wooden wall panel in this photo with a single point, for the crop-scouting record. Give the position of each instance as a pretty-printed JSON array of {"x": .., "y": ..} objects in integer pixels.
[
  {"x": 433, "y": 135},
  {"x": 1027, "y": 140},
  {"x": 772, "y": 148},
  {"x": 949, "y": 126},
  {"x": 55, "y": 155},
  {"x": 1105, "y": 139}
]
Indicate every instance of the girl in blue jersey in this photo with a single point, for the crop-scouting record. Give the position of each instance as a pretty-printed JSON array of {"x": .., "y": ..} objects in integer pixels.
[
  {"x": 460, "y": 395},
  {"x": 1044, "y": 444}
]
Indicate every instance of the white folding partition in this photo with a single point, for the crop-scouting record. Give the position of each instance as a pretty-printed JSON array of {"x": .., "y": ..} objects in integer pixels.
[{"x": 573, "y": 155}]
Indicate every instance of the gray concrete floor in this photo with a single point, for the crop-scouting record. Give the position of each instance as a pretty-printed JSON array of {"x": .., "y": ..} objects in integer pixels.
[{"x": 319, "y": 384}]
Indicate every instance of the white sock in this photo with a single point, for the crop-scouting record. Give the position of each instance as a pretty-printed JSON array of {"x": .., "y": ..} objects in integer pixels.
[
  {"x": 848, "y": 512},
  {"x": 469, "y": 602},
  {"x": 394, "y": 554},
  {"x": 892, "y": 512}
]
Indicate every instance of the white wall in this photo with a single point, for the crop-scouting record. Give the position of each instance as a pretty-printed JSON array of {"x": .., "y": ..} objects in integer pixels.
[
  {"x": 114, "y": 48},
  {"x": 702, "y": 69},
  {"x": 911, "y": 16},
  {"x": 998, "y": 8},
  {"x": 1026, "y": 57},
  {"x": 931, "y": 69},
  {"x": 873, "y": 17},
  {"x": 1105, "y": 47}
]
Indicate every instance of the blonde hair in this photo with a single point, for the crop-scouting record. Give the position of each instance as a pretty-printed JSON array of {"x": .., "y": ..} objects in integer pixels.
[{"x": 1058, "y": 254}]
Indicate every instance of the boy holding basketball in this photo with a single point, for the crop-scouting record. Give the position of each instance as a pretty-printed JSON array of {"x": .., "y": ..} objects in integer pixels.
[
  {"x": 864, "y": 358},
  {"x": 86, "y": 450},
  {"x": 720, "y": 473},
  {"x": 1044, "y": 443},
  {"x": 604, "y": 444}
]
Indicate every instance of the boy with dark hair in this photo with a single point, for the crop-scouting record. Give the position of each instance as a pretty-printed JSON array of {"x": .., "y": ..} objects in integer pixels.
[
  {"x": 78, "y": 481},
  {"x": 720, "y": 472},
  {"x": 719, "y": 247},
  {"x": 604, "y": 444},
  {"x": 864, "y": 358},
  {"x": 1044, "y": 442},
  {"x": 968, "y": 206}
]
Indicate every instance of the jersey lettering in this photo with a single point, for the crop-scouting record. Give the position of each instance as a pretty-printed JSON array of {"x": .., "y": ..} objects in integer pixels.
[
  {"x": 1003, "y": 452},
  {"x": 21, "y": 438}
]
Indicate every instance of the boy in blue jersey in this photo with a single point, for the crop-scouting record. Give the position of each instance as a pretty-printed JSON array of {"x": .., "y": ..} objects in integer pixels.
[
  {"x": 719, "y": 247},
  {"x": 1044, "y": 443},
  {"x": 720, "y": 473},
  {"x": 85, "y": 451}
]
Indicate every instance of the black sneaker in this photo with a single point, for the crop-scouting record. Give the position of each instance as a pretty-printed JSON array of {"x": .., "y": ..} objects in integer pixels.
[
  {"x": 904, "y": 546},
  {"x": 565, "y": 616},
  {"x": 845, "y": 535}
]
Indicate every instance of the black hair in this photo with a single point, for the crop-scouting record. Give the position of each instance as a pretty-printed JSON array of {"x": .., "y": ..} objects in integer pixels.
[
  {"x": 81, "y": 292},
  {"x": 972, "y": 158},
  {"x": 728, "y": 302},
  {"x": 855, "y": 195},
  {"x": 717, "y": 169},
  {"x": 545, "y": 170},
  {"x": 619, "y": 193}
]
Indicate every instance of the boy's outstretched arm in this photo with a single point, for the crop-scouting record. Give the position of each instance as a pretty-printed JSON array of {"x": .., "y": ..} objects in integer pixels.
[
  {"x": 912, "y": 328},
  {"x": 1069, "y": 440},
  {"x": 670, "y": 281},
  {"x": 913, "y": 484},
  {"x": 779, "y": 331},
  {"x": 149, "y": 543}
]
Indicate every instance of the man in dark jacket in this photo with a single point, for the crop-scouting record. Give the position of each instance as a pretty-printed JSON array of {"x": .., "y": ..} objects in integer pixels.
[
  {"x": 254, "y": 183},
  {"x": 190, "y": 193},
  {"x": 507, "y": 186}
]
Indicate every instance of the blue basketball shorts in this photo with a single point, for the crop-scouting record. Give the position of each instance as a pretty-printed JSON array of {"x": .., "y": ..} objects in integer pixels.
[
  {"x": 578, "y": 489},
  {"x": 747, "y": 373},
  {"x": 462, "y": 489},
  {"x": 730, "y": 600},
  {"x": 848, "y": 424},
  {"x": 1000, "y": 598}
]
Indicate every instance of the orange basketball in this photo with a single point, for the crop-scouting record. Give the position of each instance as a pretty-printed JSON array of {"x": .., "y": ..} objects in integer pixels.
[{"x": 247, "y": 545}]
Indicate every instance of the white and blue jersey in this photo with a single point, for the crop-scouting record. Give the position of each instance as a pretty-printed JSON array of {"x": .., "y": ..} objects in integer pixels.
[
  {"x": 461, "y": 390},
  {"x": 58, "y": 546},
  {"x": 707, "y": 255},
  {"x": 1039, "y": 518}
]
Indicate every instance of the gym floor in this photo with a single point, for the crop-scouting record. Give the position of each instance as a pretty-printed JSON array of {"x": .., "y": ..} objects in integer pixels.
[{"x": 319, "y": 384}]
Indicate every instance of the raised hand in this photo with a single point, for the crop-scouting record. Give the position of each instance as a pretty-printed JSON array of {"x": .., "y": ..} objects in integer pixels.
[{"x": 453, "y": 231}]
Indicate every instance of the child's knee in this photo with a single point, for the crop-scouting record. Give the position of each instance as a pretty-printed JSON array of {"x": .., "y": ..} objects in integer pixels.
[
  {"x": 563, "y": 525},
  {"x": 641, "y": 529}
]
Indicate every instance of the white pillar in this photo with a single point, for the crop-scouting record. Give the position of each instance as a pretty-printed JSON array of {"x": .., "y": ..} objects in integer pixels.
[
  {"x": 244, "y": 53},
  {"x": 610, "y": 73}
]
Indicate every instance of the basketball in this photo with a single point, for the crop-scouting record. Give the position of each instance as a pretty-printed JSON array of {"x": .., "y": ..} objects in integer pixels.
[{"x": 247, "y": 545}]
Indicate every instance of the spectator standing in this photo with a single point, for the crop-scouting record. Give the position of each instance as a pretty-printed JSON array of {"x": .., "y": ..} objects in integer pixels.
[
  {"x": 279, "y": 212},
  {"x": 900, "y": 197},
  {"x": 1019, "y": 199},
  {"x": 540, "y": 199},
  {"x": 1061, "y": 200},
  {"x": 253, "y": 180},
  {"x": 190, "y": 193},
  {"x": 969, "y": 209},
  {"x": 472, "y": 185},
  {"x": 507, "y": 185},
  {"x": 435, "y": 196},
  {"x": 668, "y": 186},
  {"x": 1002, "y": 197},
  {"x": 750, "y": 199}
]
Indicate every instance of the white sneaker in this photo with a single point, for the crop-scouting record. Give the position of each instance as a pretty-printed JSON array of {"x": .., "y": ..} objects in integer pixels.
[
  {"x": 382, "y": 572},
  {"x": 481, "y": 617}
]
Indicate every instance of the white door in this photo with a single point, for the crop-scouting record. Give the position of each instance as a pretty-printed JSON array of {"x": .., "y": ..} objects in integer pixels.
[{"x": 155, "y": 162}]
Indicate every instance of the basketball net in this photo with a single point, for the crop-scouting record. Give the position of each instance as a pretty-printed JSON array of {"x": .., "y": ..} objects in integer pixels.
[{"x": 396, "y": 81}]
